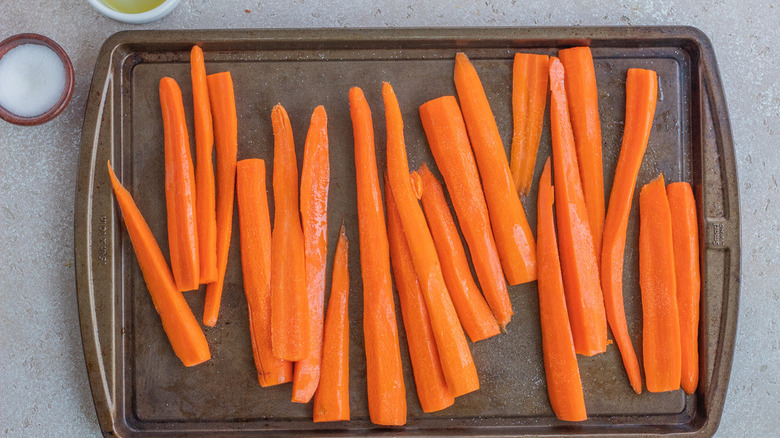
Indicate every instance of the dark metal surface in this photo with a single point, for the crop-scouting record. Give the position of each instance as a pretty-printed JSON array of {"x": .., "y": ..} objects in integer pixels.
[{"x": 141, "y": 388}]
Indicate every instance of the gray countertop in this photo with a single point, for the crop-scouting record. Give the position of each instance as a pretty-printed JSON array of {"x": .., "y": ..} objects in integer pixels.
[{"x": 43, "y": 378}]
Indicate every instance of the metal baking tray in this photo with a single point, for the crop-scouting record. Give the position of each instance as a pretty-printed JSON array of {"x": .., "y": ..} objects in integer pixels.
[{"x": 140, "y": 388}]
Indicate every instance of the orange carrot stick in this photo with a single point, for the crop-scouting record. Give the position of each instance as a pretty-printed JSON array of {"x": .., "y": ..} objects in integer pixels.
[
  {"x": 686, "y": 264},
  {"x": 384, "y": 375},
  {"x": 449, "y": 142},
  {"x": 583, "y": 99},
  {"x": 564, "y": 386},
  {"x": 315, "y": 179},
  {"x": 223, "y": 111},
  {"x": 514, "y": 240},
  {"x": 641, "y": 92},
  {"x": 289, "y": 300},
  {"x": 457, "y": 363},
  {"x": 204, "y": 171},
  {"x": 661, "y": 347},
  {"x": 255, "y": 227},
  {"x": 331, "y": 401},
  {"x": 432, "y": 389},
  {"x": 584, "y": 300},
  {"x": 180, "y": 325},
  {"x": 179, "y": 189},
  {"x": 473, "y": 310},
  {"x": 529, "y": 97}
]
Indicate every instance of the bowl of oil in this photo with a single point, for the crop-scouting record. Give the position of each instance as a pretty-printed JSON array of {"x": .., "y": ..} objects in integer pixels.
[{"x": 134, "y": 11}]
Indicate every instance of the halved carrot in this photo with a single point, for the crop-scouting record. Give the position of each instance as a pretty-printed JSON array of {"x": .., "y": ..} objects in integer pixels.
[
  {"x": 562, "y": 373},
  {"x": 180, "y": 195},
  {"x": 384, "y": 374},
  {"x": 641, "y": 93},
  {"x": 661, "y": 347},
  {"x": 584, "y": 300},
  {"x": 457, "y": 363},
  {"x": 255, "y": 228},
  {"x": 449, "y": 142},
  {"x": 315, "y": 179},
  {"x": 204, "y": 170},
  {"x": 685, "y": 233},
  {"x": 223, "y": 111},
  {"x": 180, "y": 325},
  {"x": 289, "y": 299},
  {"x": 529, "y": 97},
  {"x": 331, "y": 401},
  {"x": 514, "y": 239},
  {"x": 473, "y": 310},
  {"x": 583, "y": 99},
  {"x": 432, "y": 389}
]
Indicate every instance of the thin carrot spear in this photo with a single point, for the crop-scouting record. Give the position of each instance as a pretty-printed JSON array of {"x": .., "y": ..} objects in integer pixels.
[
  {"x": 331, "y": 401},
  {"x": 223, "y": 111},
  {"x": 315, "y": 179},
  {"x": 180, "y": 325},
  {"x": 384, "y": 374},
  {"x": 204, "y": 170}
]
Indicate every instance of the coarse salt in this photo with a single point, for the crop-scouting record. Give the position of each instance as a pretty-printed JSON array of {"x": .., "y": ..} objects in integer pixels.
[{"x": 32, "y": 80}]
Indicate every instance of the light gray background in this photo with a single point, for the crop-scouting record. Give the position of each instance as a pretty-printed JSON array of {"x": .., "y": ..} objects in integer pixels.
[{"x": 43, "y": 383}]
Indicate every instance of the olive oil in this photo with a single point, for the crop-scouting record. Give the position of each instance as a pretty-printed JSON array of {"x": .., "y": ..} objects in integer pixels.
[{"x": 133, "y": 6}]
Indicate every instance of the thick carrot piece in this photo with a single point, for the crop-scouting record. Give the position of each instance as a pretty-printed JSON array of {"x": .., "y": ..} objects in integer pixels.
[
  {"x": 473, "y": 310},
  {"x": 457, "y": 363},
  {"x": 641, "y": 94},
  {"x": 432, "y": 389},
  {"x": 331, "y": 401},
  {"x": 685, "y": 233},
  {"x": 514, "y": 240},
  {"x": 180, "y": 325},
  {"x": 564, "y": 386},
  {"x": 289, "y": 300},
  {"x": 223, "y": 111},
  {"x": 180, "y": 195},
  {"x": 661, "y": 348},
  {"x": 204, "y": 170},
  {"x": 315, "y": 180},
  {"x": 529, "y": 98},
  {"x": 583, "y": 99},
  {"x": 384, "y": 374},
  {"x": 584, "y": 300},
  {"x": 449, "y": 142}
]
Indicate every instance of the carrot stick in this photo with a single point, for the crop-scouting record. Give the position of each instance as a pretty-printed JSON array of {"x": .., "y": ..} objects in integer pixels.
[
  {"x": 449, "y": 142},
  {"x": 179, "y": 189},
  {"x": 180, "y": 325},
  {"x": 289, "y": 299},
  {"x": 529, "y": 97},
  {"x": 641, "y": 92},
  {"x": 564, "y": 386},
  {"x": 584, "y": 300},
  {"x": 384, "y": 374},
  {"x": 583, "y": 100},
  {"x": 432, "y": 389},
  {"x": 223, "y": 111},
  {"x": 255, "y": 227},
  {"x": 315, "y": 179},
  {"x": 457, "y": 363},
  {"x": 473, "y": 310},
  {"x": 660, "y": 321},
  {"x": 331, "y": 401},
  {"x": 204, "y": 171},
  {"x": 514, "y": 240},
  {"x": 686, "y": 264}
]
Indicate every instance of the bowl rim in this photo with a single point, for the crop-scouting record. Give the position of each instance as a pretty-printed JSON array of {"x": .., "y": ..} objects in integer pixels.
[
  {"x": 33, "y": 38},
  {"x": 140, "y": 18}
]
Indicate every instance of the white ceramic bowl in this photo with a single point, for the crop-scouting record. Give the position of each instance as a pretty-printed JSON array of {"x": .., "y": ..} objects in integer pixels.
[{"x": 144, "y": 17}]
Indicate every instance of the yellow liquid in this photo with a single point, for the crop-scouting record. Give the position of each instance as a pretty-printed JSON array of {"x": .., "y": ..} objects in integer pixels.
[{"x": 133, "y": 6}]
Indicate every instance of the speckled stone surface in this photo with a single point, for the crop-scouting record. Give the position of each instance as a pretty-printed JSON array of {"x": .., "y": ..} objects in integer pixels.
[{"x": 43, "y": 384}]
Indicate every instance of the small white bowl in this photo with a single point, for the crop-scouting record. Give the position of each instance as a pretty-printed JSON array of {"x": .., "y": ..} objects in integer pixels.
[{"x": 144, "y": 17}]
